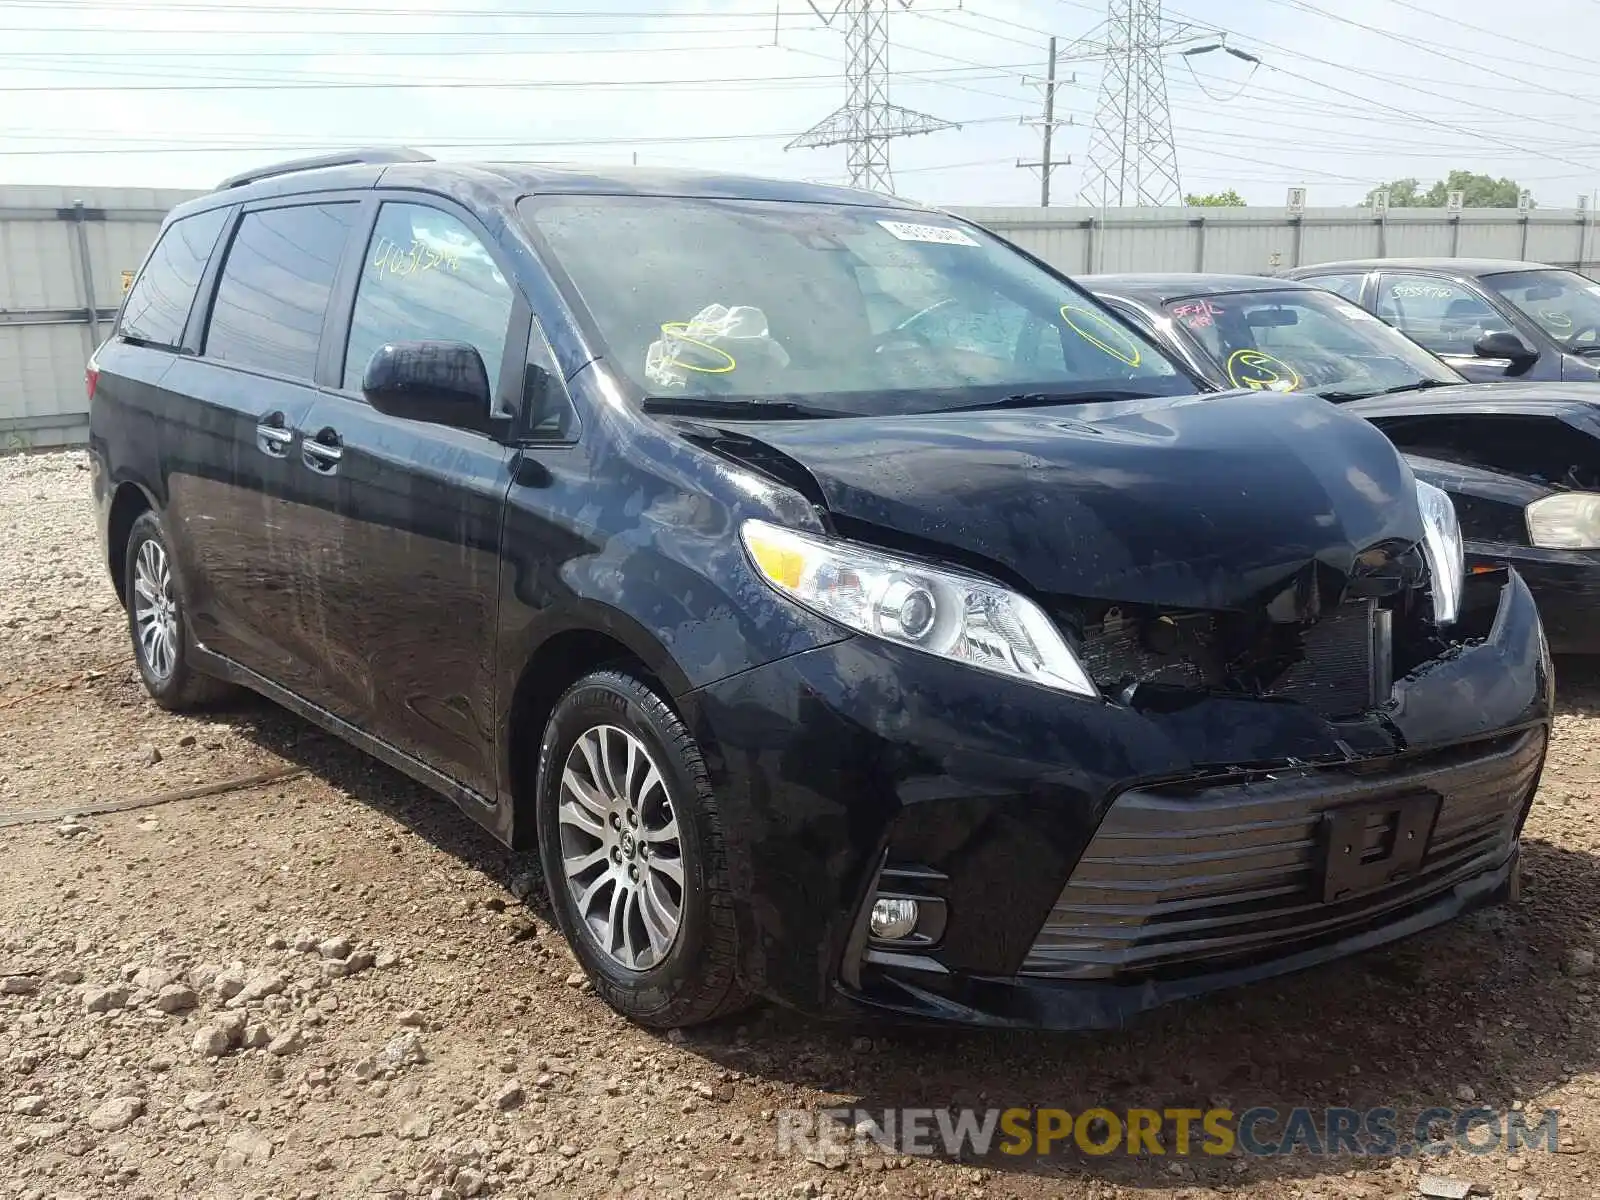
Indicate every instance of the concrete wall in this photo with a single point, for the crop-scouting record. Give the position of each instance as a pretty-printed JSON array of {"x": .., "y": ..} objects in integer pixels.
[
  {"x": 62, "y": 255},
  {"x": 63, "y": 252}
]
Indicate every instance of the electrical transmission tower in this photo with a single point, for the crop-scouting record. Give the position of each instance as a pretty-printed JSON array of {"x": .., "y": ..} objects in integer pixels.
[
  {"x": 1132, "y": 159},
  {"x": 867, "y": 121}
]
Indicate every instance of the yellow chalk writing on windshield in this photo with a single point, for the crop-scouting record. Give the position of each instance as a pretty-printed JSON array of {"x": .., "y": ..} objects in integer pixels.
[
  {"x": 1107, "y": 337},
  {"x": 673, "y": 332},
  {"x": 1259, "y": 370}
]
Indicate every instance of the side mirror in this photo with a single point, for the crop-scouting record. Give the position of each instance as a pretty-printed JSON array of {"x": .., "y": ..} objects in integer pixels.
[
  {"x": 1503, "y": 343},
  {"x": 442, "y": 383}
]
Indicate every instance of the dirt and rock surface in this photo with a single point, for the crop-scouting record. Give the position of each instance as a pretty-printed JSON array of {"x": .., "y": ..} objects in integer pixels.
[{"x": 332, "y": 985}]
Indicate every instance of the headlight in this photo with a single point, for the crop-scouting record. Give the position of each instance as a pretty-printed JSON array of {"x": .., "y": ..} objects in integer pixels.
[
  {"x": 933, "y": 609},
  {"x": 1568, "y": 521},
  {"x": 1442, "y": 546}
]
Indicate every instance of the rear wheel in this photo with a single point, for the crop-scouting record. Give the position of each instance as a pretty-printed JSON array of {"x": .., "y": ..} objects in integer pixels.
[
  {"x": 632, "y": 846},
  {"x": 157, "y": 622}
]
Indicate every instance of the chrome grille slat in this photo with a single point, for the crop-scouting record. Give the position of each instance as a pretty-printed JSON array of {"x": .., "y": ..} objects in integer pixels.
[
  {"x": 1175, "y": 929},
  {"x": 1104, "y": 951},
  {"x": 1179, "y": 878}
]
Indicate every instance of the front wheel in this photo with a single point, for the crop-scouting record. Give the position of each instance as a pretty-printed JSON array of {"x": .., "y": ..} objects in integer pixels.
[
  {"x": 631, "y": 843},
  {"x": 158, "y": 624}
]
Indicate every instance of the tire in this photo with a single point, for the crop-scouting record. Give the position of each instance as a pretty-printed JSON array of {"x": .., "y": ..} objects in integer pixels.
[
  {"x": 663, "y": 983},
  {"x": 161, "y": 638}
]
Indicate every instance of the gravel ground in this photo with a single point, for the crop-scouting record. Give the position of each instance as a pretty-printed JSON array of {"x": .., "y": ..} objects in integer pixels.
[{"x": 332, "y": 985}]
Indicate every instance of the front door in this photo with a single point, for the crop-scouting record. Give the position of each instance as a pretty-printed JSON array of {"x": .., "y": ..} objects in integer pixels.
[
  {"x": 408, "y": 575},
  {"x": 236, "y": 490},
  {"x": 1448, "y": 318}
]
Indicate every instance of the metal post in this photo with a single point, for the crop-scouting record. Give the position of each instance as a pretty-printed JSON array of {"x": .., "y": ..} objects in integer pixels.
[
  {"x": 81, "y": 218},
  {"x": 1523, "y": 253},
  {"x": 1049, "y": 127},
  {"x": 1088, "y": 246},
  {"x": 1383, "y": 235},
  {"x": 1200, "y": 244},
  {"x": 1299, "y": 239},
  {"x": 1455, "y": 236}
]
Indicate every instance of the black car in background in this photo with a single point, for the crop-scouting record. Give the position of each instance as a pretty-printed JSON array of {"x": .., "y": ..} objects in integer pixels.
[
  {"x": 1522, "y": 461},
  {"x": 1489, "y": 318},
  {"x": 851, "y": 610}
]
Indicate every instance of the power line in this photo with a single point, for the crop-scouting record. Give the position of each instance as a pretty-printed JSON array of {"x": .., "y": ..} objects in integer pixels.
[
  {"x": 329, "y": 145},
  {"x": 1429, "y": 48},
  {"x": 1497, "y": 34},
  {"x": 391, "y": 13},
  {"x": 1253, "y": 124},
  {"x": 1389, "y": 108},
  {"x": 258, "y": 84}
]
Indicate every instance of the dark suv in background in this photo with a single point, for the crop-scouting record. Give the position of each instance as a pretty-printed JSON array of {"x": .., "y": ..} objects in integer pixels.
[{"x": 851, "y": 609}]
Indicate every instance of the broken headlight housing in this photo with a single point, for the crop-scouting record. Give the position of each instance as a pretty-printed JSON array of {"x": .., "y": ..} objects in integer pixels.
[
  {"x": 1565, "y": 521},
  {"x": 1441, "y": 545},
  {"x": 937, "y": 610}
]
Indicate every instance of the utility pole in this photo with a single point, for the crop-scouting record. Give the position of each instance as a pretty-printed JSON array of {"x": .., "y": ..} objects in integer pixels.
[
  {"x": 867, "y": 121},
  {"x": 1047, "y": 165}
]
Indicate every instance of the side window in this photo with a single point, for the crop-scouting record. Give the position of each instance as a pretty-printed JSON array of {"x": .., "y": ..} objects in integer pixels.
[
  {"x": 1440, "y": 315},
  {"x": 427, "y": 277},
  {"x": 275, "y": 284},
  {"x": 1348, "y": 286},
  {"x": 158, "y": 305},
  {"x": 544, "y": 391}
]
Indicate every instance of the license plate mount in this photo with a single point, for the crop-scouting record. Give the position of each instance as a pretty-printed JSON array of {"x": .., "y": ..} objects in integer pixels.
[{"x": 1371, "y": 845}]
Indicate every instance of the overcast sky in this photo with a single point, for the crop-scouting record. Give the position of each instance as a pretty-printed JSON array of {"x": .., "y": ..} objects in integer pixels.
[{"x": 144, "y": 92}]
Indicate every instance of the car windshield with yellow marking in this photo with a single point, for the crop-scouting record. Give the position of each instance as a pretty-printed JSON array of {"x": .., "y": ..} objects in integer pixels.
[
  {"x": 1301, "y": 339},
  {"x": 839, "y": 307}
]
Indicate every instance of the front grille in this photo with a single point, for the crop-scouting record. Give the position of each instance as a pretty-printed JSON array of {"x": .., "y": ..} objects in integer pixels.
[
  {"x": 1183, "y": 879},
  {"x": 1331, "y": 665}
]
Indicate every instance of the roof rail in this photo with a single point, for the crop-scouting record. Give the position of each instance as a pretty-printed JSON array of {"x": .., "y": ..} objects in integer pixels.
[{"x": 344, "y": 158}]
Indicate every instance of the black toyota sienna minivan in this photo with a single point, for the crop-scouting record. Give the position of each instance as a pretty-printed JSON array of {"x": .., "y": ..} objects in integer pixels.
[{"x": 851, "y": 610}]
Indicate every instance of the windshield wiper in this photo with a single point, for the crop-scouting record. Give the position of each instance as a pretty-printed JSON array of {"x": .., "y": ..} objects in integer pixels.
[
  {"x": 1420, "y": 385},
  {"x": 776, "y": 410},
  {"x": 1047, "y": 399}
]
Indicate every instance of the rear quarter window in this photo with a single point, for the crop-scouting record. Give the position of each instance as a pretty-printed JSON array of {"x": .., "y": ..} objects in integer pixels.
[{"x": 158, "y": 304}]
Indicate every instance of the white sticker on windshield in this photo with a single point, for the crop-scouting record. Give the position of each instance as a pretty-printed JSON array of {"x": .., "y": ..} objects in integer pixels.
[
  {"x": 944, "y": 235},
  {"x": 1352, "y": 313}
]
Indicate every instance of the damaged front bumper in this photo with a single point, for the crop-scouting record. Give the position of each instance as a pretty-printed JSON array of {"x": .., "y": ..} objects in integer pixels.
[
  {"x": 1078, "y": 862},
  {"x": 1565, "y": 585}
]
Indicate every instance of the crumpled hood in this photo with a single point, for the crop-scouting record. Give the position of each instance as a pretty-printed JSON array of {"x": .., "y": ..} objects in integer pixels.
[{"x": 1216, "y": 502}]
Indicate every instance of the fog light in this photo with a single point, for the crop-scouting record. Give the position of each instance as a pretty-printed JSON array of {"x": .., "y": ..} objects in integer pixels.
[{"x": 893, "y": 920}]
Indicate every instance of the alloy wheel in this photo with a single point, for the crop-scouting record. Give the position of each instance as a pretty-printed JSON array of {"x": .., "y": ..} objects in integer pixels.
[
  {"x": 155, "y": 610},
  {"x": 621, "y": 851}
]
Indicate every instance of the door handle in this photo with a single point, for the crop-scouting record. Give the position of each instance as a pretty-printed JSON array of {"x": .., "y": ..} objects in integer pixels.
[
  {"x": 323, "y": 452},
  {"x": 273, "y": 435}
]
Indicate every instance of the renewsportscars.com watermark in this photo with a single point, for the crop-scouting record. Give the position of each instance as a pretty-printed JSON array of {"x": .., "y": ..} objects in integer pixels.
[{"x": 971, "y": 1133}]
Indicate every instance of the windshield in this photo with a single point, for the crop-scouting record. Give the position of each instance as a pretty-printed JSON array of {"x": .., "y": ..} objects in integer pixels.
[
  {"x": 1563, "y": 304},
  {"x": 837, "y": 307},
  {"x": 1302, "y": 339}
]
